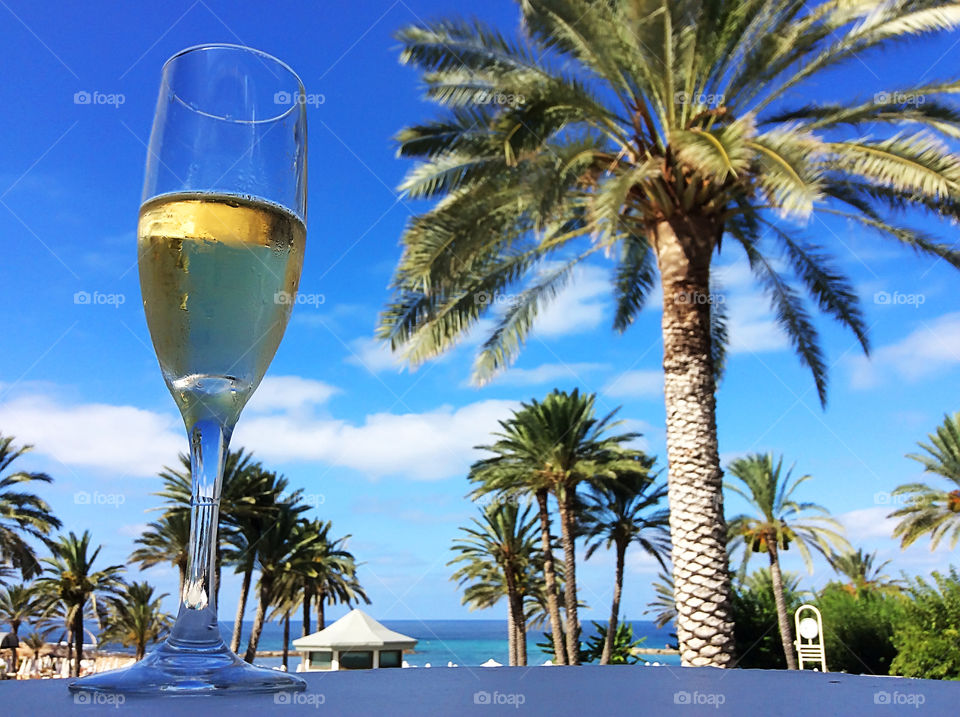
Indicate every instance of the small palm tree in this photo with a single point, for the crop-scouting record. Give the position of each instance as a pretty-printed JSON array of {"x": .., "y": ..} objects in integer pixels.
[
  {"x": 69, "y": 578},
  {"x": 136, "y": 618},
  {"x": 778, "y": 522},
  {"x": 498, "y": 557},
  {"x": 551, "y": 447},
  {"x": 933, "y": 511},
  {"x": 18, "y": 604},
  {"x": 166, "y": 540},
  {"x": 619, "y": 513},
  {"x": 36, "y": 642},
  {"x": 330, "y": 576},
  {"x": 863, "y": 572},
  {"x": 655, "y": 133},
  {"x": 282, "y": 552},
  {"x": 21, "y": 513}
]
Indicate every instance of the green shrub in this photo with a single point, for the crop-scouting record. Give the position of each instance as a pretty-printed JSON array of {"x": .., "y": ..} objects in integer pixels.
[
  {"x": 858, "y": 629},
  {"x": 755, "y": 616},
  {"x": 927, "y": 637}
]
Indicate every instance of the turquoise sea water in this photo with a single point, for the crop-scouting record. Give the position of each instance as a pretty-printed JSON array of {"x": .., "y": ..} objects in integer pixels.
[{"x": 464, "y": 642}]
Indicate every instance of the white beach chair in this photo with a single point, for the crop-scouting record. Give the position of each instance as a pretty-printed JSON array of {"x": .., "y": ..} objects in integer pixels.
[{"x": 809, "y": 643}]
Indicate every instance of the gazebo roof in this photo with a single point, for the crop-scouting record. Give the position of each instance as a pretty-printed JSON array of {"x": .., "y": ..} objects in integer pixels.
[{"x": 355, "y": 629}]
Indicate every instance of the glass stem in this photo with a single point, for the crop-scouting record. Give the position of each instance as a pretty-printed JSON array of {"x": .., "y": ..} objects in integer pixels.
[{"x": 196, "y": 623}]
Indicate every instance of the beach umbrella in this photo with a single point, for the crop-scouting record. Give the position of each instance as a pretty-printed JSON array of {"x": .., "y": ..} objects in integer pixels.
[
  {"x": 491, "y": 663},
  {"x": 547, "y": 663}
]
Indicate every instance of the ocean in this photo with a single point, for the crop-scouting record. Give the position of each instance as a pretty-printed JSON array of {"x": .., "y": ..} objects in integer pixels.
[{"x": 463, "y": 642}]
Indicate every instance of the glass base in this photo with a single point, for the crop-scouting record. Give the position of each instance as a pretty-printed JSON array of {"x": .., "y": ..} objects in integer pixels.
[{"x": 174, "y": 670}]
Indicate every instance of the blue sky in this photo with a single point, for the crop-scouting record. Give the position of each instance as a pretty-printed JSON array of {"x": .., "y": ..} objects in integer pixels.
[{"x": 383, "y": 453}]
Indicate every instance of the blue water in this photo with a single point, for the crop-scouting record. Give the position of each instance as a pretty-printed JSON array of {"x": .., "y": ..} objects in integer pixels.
[{"x": 463, "y": 642}]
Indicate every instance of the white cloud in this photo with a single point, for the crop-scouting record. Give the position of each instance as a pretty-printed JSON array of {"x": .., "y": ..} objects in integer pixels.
[
  {"x": 751, "y": 326},
  {"x": 373, "y": 355},
  {"x": 579, "y": 307},
  {"x": 423, "y": 446},
  {"x": 636, "y": 384},
  {"x": 288, "y": 393},
  {"x": 547, "y": 373},
  {"x": 868, "y": 523},
  {"x": 932, "y": 347},
  {"x": 119, "y": 439}
]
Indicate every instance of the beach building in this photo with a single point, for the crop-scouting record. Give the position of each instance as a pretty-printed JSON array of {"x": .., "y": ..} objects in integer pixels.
[{"x": 354, "y": 642}]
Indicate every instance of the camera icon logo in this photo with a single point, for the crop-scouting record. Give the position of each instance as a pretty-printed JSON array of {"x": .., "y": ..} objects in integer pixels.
[
  {"x": 282, "y": 698},
  {"x": 82, "y": 98},
  {"x": 81, "y": 497},
  {"x": 81, "y": 698},
  {"x": 881, "y": 698},
  {"x": 81, "y": 297},
  {"x": 282, "y": 98},
  {"x": 481, "y": 698},
  {"x": 681, "y": 698}
]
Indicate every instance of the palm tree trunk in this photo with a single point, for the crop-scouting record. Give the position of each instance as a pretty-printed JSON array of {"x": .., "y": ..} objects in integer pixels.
[
  {"x": 321, "y": 618},
  {"x": 550, "y": 579},
  {"x": 305, "y": 629},
  {"x": 511, "y": 634},
  {"x": 14, "y": 652},
  {"x": 286, "y": 639},
  {"x": 520, "y": 625},
  {"x": 182, "y": 566},
  {"x": 615, "y": 607},
  {"x": 241, "y": 608},
  {"x": 565, "y": 500},
  {"x": 698, "y": 532},
  {"x": 78, "y": 641},
  {"x": 263, "y": 603},
  {"x": 786, "y": 634}
]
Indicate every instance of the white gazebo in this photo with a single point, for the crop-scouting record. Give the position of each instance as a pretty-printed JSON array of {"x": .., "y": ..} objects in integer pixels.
[{"x": 354, "y": 642}]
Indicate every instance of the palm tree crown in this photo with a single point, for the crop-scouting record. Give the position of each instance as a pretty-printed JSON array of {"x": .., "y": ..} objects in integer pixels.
[
  {"x": 21, "y": 513},
  {"x": 864, "y": 572},
  {"x": 136, "y": 618},
  {"x": 651, "y": 131},
  {"x": 933, "y": 511}
]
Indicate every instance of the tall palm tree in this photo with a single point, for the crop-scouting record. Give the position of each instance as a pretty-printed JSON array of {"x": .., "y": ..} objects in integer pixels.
[
  {"x": 863, "y": 572},
  {"x": 137, "y": 618},
  {"x": 69, "y": 578},
  {"x": 330, "y": 576},
  {"x": 778, "y": 521},
  {"x": 621, "y": 512},
  {"x": 650, "y": 131},
  {"x": 18, "y": 604},
  {"x": 166, "y": 540},
  {"x": 244, "y": 527},
  {"x": 283, "y": 551},
  {"x": 21, "y": 513},
  {"x": 498, "y": 557},
  {"x": 553, "y": 446},
  {"x": 933, "y": 511}
]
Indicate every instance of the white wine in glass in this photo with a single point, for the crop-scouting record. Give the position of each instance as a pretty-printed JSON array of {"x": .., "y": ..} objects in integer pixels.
[{"x": 220, "y": 246}]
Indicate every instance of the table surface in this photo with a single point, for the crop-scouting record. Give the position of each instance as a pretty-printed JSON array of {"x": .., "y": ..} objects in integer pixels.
[{"x": 585, "y": 690}]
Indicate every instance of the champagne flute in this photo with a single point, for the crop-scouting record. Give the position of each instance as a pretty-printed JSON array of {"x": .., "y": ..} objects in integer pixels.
[{"x": 220, "y": 244}]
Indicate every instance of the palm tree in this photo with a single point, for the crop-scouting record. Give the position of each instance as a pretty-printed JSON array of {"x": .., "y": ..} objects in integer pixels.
[
  {"x": 663, "y": 604},
  {"x": 36, "y": 642},
  {"x": 778, "y": 521},
  {"x": 243, "y": 528},
  {"x": 620, "y": 512},
  {"x": 331, "y": 574},
  {"x": 551, "y": 447},
  {"x": 69, "y": 578},
  {"x": 21, "y": 513},
  {"x": 137, "y": 618},
  {"x": 283, "y": 551},
  {"x": 933, "y": 511},
  {"x": 288, "y": 597},
  {"x": 166, "y": 540},
  {"x": 863, "y": 572},
  {"x": 499, "y": 558},
  {"x": 18, "y": 604},
  {"x": 650, "y": 131}
]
